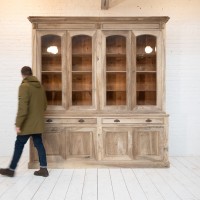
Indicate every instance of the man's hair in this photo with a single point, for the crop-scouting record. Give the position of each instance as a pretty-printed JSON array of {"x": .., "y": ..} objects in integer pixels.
[{"x": 26, "y": 71}]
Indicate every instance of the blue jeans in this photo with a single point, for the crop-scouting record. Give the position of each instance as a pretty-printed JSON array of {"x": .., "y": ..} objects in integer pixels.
[{"x": 19, "y": 146}]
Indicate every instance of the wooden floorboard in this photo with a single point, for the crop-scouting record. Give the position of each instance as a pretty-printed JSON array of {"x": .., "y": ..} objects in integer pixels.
[
  {"x": 149, "y": 188},
  {"x": 179, "y": 182}
]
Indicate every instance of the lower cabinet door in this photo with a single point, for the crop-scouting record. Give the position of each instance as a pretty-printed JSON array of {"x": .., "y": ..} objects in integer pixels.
[
  {"x": 148, "y": 143},
  {"x": 117, "y": 143},
  {"x": 81, "y": 143},
  {"x": 54, "y": 143}
]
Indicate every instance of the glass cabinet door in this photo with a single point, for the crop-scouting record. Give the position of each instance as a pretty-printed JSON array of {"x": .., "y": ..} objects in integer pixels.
[
  {"x": 117, "y": 48},
  {"x": 116, "y": 70},
  {"x": 146, "y": 70},
  {"x": 51, "y": 68},
  {"x": 81, "y": 75}
]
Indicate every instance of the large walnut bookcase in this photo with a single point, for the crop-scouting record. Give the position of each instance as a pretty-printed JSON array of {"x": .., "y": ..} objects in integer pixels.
[{"x": 105, "y": 83}]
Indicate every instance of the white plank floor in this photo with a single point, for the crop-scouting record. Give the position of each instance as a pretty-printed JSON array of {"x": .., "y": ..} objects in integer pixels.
[{"x": 179, "y": 182}]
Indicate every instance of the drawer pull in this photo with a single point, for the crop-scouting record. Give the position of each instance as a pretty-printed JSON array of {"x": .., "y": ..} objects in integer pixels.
[
  {"x": 116, "y": 120},
  {"x": 81, "y": 120},
  {"x": 148, "y": 120},
  {"x": 49, "y": 120}
]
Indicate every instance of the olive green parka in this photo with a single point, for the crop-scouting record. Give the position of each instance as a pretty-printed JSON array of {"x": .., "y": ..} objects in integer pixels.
[{"x": 31, "y": 106}]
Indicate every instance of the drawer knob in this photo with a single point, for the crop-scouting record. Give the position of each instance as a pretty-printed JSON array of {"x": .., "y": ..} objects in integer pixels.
[
  {"x": 49, "y": 120},
  {"x": 116, "y": 120},
  {"x": 148, "y": 120},
  {"x": 81, "y": 120}
]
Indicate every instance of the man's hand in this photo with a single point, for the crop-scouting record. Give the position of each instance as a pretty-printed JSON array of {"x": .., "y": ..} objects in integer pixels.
[{"x": 17, "y": 129}]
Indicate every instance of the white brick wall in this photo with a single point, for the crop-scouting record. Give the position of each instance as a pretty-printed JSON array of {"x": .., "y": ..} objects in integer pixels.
[{"x": 183, "y": 52}]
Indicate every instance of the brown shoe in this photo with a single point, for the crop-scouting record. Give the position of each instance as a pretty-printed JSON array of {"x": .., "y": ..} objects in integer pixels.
[
  {"x": 7, "y": 172},
  {"x": 42, "y": 172}
]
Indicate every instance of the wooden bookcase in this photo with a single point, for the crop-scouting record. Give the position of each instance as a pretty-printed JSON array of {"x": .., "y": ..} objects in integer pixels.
[{"x": 105, "y": 84}]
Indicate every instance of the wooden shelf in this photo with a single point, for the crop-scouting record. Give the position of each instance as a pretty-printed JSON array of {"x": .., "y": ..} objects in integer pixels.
[
  {"x": 115, "y": 54},
  {"x": 115, "y": 90},
  {"x": 81, "y": 90},
  {"x": 146, "y": 55},
  {"x": 81, "y": 54},
  {"x": 146, "y": 71},
  {"x": 81, "y": 72},
  {"x": 51, "y": 72},
  {"x": 146, "y": 90},
  {"x": 51, "y": 54},
  {"x": 116, "y": 71}
]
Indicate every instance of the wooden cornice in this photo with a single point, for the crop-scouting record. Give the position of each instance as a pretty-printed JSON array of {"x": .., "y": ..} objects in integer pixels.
[{"x": 79, "y": 20}]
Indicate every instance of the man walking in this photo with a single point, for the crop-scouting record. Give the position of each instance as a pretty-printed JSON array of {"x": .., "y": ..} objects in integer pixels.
[{"x": 29, "y": 122}]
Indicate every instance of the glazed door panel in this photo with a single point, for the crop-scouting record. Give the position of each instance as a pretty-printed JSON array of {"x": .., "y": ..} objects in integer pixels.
[
  {"x": 148, "y": 73},
  {"x": 81, "y": 64},
  {"x": 51, "y": 70},
  {"x": 116, "y": 63}
]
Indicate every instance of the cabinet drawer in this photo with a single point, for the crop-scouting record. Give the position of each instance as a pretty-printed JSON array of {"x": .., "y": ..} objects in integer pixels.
[
  {"x": 132, "y": 120},
  {"x": 72, "y": 120}
]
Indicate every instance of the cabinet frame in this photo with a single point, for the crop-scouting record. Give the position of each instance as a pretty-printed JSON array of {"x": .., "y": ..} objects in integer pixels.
[{"x": 121, "y": 123}]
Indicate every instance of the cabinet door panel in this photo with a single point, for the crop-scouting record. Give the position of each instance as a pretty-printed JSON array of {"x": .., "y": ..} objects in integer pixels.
[
  {"x": 50, "y": 68},
  {"x": 116, "y": 63},
  {"x": 148, "y": 143},
  {"x": 82, "y": 69},
  {"x": 117, "y": 143},
  {"x": 148, "y": 83},
  {"x": 80, "y": 143},
  {"x": 54, "y": 142}
]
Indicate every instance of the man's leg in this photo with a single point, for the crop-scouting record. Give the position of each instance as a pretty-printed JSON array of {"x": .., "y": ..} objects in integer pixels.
[
  {"x": 19, "y": 146},
  {"x": 37, "y": 140}
]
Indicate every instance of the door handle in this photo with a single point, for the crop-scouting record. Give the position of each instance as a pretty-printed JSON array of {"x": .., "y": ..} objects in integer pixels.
[
  {"x": 49, "y": 120},
  {"x": 148, "y": 120},
  {"x": 81, "y": 120}
]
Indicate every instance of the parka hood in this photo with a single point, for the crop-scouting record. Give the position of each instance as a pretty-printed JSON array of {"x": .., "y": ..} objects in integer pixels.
[{"x": 32, "y": 80}]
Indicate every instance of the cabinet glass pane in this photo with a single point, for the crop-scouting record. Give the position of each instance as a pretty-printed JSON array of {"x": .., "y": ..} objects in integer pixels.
[
  {"x": 82, "y": 98},
  {"x": 51, "y": 53},
  {"x": 116, "y": 70},
  {"x": 116, "y": 81},
  {"x": 82, "y": 81},
  {"x": 116, "y": 97},
  {"x": 146, "y": 70},
  {"x": 53, "y": 87},
  {"x": 82, "y": 70},
  {"x": 51, "y": 69},
  {"x": 146, "y": 82}
]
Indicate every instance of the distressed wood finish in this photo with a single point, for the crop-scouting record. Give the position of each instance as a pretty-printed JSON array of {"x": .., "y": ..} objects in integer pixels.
[{"x": 106, "y": 95}]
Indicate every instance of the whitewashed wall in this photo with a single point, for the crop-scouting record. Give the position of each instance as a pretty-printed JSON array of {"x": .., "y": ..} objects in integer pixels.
[{"x": 183, "y": 53}]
